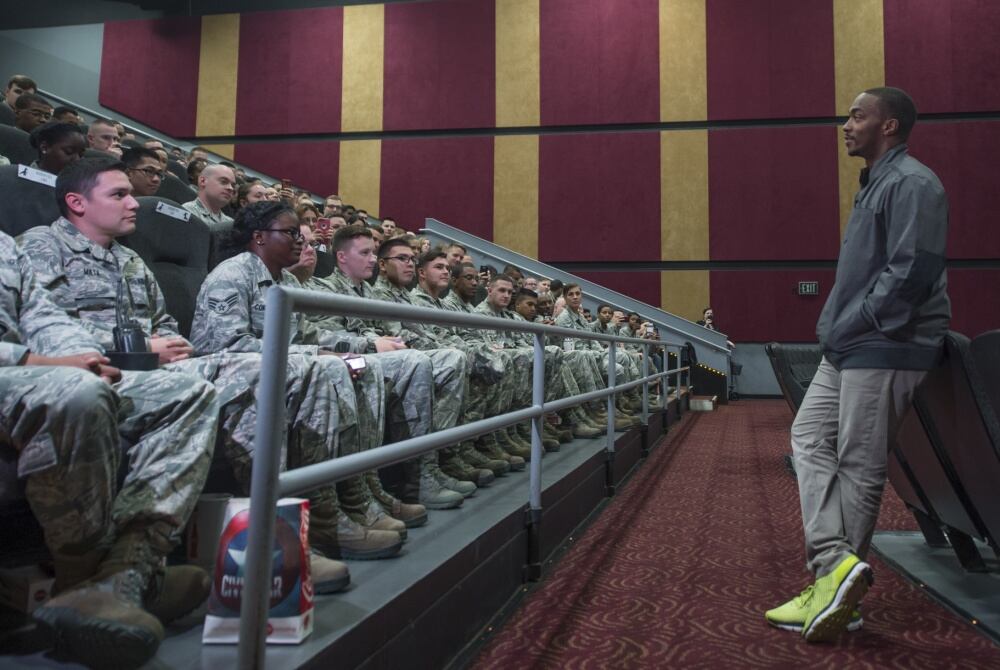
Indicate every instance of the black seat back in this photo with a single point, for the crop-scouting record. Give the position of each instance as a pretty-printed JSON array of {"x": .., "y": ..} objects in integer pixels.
[
  {"x": 24, "y": 202},
  {"x": 174, "y": 189},
  {"x": 794, "y": 366},
  {"x": 175, "y": 244},
  {"x": 7, "y": 115},
  {"x": 177, "y": 169},
  {"x": 15, "y": 144},
  {"x": 326, "y": 263},
  {"x": 955, "y": 409},
  {"x": 985, "y": 351}
]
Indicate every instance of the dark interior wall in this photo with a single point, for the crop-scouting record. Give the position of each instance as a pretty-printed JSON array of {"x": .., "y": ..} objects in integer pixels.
[{"x": 590, "y": 182}]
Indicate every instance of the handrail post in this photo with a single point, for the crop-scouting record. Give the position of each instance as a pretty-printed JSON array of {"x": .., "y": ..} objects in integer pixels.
[
  {"x": 645, "y": 387},
  {"x": 270, "y": 434},
  {"x": 535, "y": 467},
  {"x": 611, "y": 397}
]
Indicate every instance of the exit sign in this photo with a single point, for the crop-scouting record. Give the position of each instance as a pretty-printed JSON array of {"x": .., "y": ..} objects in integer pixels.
[{"x": 808, "y": 288}]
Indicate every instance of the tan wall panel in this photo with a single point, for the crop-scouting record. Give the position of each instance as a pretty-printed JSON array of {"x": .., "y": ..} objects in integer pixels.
[
  {"x": 859, "y": 63},
  {"x": 364, "y": 68},
  {"x": 226, "y": 150},
  {"x": 515, "y": 193},
  {"x": 361, "y": 173},
  {"x": 217, "y": 68},
  {"x": 684, "y": 195},
  {"x": 685, "y": 293},
  {"x": 683, "y": 74},
  {"x": 517, "y": 63}
]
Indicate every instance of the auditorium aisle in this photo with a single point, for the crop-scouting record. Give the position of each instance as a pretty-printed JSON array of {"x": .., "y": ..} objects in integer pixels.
[{"x": 679, "y": 568}]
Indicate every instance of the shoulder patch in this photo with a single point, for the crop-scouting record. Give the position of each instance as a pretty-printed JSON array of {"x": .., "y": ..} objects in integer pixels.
[{"x": 223, "y": 306}]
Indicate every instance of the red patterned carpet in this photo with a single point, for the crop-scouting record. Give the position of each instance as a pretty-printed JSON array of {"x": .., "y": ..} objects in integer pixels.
[{"x": 678, "y": 570}]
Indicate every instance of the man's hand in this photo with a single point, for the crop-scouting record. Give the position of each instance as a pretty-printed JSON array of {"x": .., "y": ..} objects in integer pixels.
[
  {"x": 94, "y": 362},
  {"x": 170, "y": 349},
  {"x": 384, "y": 344}
]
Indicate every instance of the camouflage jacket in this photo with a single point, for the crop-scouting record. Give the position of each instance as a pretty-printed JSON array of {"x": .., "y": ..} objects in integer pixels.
[
  {"x": 450, "y": 335},
  {"x": 83, "y": 278},
  {"x": 508, "y": 339},
  {"x": 570, "y": 319},
  {"x": 30, "y": 321},
  {"x": 362, "y": 333},
  {"x": 414, "y": 335},
  {"x": 229, "y": 314}
]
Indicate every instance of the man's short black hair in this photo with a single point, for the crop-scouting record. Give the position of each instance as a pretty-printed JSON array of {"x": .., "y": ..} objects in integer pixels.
[
  {"x": 896, "y": 104},
  {"x": 24, "y": 83},
  {"x": 430, "y": 256},
  {"x": 134, "y": 155},
  {"x": 25, "y": 100},
  {"x": 81, "y": 177},
  {"x": 603, "y": 305},
  {"x": 387, "y": 245},
  {"x": 63, "y": 109},
  {"x": 51, "y": 132},
  {"x": 524, "y": 294},
  {"x": 459, "y": 269}
]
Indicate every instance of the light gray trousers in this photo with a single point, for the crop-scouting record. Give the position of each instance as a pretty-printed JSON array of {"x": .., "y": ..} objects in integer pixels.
[{"x": 840, "y": 441}]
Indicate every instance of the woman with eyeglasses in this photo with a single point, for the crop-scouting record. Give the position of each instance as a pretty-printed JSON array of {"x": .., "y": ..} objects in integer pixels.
[{"x": 58, "y": 145}]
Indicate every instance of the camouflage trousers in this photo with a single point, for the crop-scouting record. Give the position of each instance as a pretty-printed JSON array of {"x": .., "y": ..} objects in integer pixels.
[
  {"x": 451, "y": 386},
  {"x": 321, "y": 408},
  {"x": 409, "y": 384},
  {"x": 169, "y": 420}
]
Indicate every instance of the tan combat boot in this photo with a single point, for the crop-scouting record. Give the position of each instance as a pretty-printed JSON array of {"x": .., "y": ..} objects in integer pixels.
[
  {"x": 412, "y": 515},
  {"x": 358, "y": 503},
  {"x": 334, "y": 534}
]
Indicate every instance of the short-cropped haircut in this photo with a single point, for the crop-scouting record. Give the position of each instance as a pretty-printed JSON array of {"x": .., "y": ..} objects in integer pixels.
[{"x": 81, "y": 176}]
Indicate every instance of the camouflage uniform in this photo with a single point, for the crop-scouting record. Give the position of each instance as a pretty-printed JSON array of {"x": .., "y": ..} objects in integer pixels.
[
  {"x": 66, "y": 425},
  {"x": 625, "y": 369},
  {"x": 84, "y": 278}
]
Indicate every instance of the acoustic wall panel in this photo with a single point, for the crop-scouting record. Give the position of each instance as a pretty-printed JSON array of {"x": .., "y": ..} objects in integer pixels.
[
  {"x": 290, "y": 72},
  {"x": 944, "y": 54},
  {"x": 599, "y": 197},
  {"x": 149, "y": 72},
  {"x": 974, "y": 295},
  {"x": 449, "y": 178},
  {"x": 644, "y": 286},
  {"x": 310, "y": 165},
  {"x": 770, "y": 59},
  {"x": 762, "y": 305},
  {"x": 599, "y": 61},
  {"x": 773, "y": 193},
  {"x": 439, "y": 65}
]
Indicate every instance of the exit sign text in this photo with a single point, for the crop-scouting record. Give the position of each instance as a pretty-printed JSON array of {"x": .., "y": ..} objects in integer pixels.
[{"x": 808, "y": 288}]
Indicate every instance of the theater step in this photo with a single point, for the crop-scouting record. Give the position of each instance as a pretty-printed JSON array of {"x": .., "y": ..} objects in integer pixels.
[{"x": 704, "y": 403}]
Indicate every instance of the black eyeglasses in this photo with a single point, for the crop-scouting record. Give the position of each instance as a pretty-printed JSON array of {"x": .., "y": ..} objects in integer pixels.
[
  {"x": 293, "y": 233},
  {"x": 150, "y": 172},
  {"x": 402, "y": 259}
]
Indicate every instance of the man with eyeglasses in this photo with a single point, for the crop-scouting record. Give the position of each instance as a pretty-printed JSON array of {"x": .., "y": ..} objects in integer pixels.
[
  {"x": 216, "y": 187},
  {"x": 143, "y": 170},
  {"x": 31, "y": 110}
]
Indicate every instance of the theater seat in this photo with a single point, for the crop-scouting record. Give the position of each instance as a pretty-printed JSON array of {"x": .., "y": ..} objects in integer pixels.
[
  {"x": 326, "y": 263},
  {"x": 24, "y": 201},
  {"x": 7, "y": 116},
  {"x": 15, "y": 144},
  {"x": 176, "y": 246},
  {"x": 174, "y": 189},
  {"x": 985, "y": 351},
  {"x": 794, "y": 366},
  {"x": 177, "y": 169}
]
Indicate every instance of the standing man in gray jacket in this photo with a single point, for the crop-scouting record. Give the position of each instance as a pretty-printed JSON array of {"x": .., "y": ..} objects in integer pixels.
[{"x": 881, "y": 330}]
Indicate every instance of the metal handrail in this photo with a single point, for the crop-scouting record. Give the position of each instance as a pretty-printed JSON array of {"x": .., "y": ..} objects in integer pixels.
[{"x": 268, "y": 483}]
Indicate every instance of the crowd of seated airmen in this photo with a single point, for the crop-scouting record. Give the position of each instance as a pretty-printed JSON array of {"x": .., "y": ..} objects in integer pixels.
[{"x": 352, "y": 383}]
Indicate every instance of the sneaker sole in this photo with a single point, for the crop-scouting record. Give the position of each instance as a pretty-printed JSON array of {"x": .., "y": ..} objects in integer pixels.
[
  {"x": 834, "y": 619},
  {"x": 852, "y": 626},
  {"x": 96, "y": 643}
]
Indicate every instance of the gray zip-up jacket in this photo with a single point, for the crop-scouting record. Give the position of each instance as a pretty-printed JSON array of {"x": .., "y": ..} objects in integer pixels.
[{"x": 889, "y": 305}]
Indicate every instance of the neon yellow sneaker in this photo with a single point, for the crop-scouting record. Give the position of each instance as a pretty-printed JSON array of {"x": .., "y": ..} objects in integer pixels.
[
  {"x": 792, "y": 615},
  {"x": 834, "y": 598}
]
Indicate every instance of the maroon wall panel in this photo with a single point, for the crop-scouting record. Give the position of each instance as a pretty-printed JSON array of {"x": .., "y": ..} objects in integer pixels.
[
  {"x": 761, "y": 306},
  {"x": 964, "y": 156},
  {"x": 975, "y": 294},
  {"x": 773, "y": 193},
  {"x": 599, "y": 197},
  {"x": 644, "y": 286},
  {"x": 149, "y": 72},
  {"x": 599, "y": 61},
  {"x": 439, "y": 65},
  {"x": 946, "y": 55},
  {"x": 289, "y": 73},
  {"x": 449, "y": 179},
  {"x": 769, "y": 58},
  {"x": 310, "y": 165}
]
